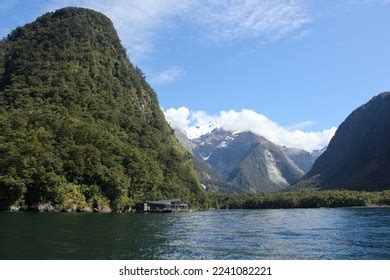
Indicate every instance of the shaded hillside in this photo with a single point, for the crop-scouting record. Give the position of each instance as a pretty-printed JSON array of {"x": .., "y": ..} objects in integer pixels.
[
  {"x": 80, "y": 125},
  {"x": 358, "y": 156}
]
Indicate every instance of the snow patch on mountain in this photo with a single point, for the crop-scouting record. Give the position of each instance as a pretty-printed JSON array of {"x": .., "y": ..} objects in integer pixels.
[
  {"x": 207, "y": 157},
  {"x": 200, "y": 129},
  {"x": 222, "y": 145}
]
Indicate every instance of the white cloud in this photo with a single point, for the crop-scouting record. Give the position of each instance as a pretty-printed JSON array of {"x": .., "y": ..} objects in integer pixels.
[
  {"x": 380, "y": 2},
  {"x": 137, "y": 22},
  {"x": 178, "y": 118},
  {"x": 196, "y": 123},
  {"x": 301, "y": 125},
  {"x": 167, "y": 76},
  {"x": 260, "y": 19},
  {"x": 140, "y": 22},
  {"x": 302, "y": 34}
]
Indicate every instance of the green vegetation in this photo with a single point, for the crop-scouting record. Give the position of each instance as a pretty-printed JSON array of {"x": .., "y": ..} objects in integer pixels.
[
  {"x": 80, "y": 126},
  {"x": 81, "y": 129},
  {"x": 303, "y": 199}
]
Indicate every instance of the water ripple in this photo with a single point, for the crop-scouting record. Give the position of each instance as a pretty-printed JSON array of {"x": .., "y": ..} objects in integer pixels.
[{"x": 342, "y": 233}]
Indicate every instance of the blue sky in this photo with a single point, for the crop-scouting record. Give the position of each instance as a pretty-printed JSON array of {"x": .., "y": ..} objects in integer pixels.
[{"x": 293, "y": 69}]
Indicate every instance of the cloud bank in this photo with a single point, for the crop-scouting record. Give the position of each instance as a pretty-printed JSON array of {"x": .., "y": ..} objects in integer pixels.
[{"x": 197, "y": 123}]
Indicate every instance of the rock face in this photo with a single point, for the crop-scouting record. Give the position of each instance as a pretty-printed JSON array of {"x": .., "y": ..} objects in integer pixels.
[
  {"x": 79, "y": 120},
  {"x": 184, "y": 141},
  {"x": 245, "y": 162},
  {"x": 358, "y": 156}
]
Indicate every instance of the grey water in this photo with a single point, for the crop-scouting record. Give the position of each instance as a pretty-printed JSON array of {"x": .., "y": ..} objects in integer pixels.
[{"x": 339, "y": 233}]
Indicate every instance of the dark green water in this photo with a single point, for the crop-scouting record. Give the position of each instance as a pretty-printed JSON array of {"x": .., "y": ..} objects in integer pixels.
[{"x": 342, "y": 233}]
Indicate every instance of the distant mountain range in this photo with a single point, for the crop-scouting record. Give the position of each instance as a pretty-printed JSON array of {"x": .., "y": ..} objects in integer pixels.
[
  {"x": 245, "y": 162},
  {"x": 358, "y": 156}
]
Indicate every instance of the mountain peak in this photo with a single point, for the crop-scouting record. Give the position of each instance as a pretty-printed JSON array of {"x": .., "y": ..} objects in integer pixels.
[
  {"x": 88, "y": 18},
  {"x": 92, "y": 17},
  {"x": 72, "y": 11},
  {"x": 69, "y": 27},
  {"x": 200, "y": 129},
  {"x": 85, "y": 119},
  {"x": 384, "y": 94},
  {"x": 245, "y": 162}
]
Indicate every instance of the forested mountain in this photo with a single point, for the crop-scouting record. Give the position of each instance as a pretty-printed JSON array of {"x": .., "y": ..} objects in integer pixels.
[
  {"x": 358, "y": 156},
  {"x": 80, "y": 126}
]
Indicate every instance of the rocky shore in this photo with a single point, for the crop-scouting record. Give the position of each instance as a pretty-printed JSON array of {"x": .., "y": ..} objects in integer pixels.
[{"x": 48, "y": 207}]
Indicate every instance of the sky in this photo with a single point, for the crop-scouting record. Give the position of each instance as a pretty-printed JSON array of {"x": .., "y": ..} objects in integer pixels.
[{"x": 289, "y": 70}]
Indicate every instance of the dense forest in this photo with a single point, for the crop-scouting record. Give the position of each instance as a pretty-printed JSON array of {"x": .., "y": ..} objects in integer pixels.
[
  {"x": 299, "y": 199},
  {"x": 80, "y": 126}
]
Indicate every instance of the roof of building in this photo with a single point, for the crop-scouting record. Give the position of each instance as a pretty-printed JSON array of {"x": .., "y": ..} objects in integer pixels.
[{"x": 166, "y": 201}]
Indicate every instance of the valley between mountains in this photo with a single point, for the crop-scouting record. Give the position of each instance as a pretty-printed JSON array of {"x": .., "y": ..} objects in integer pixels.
[
  {"x": 357, "y": 157},
  {"x": 245, "y": 162},
  {"x": 82, "y": 129}
]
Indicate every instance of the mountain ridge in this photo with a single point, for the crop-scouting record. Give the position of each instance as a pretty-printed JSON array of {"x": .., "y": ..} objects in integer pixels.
[
  {"x": 244, "y": 161},
  {"x": 358, "y": 156}
]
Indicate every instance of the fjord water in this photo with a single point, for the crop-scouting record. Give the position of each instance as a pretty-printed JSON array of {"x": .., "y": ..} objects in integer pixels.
[{"x": 341, "y": 233}]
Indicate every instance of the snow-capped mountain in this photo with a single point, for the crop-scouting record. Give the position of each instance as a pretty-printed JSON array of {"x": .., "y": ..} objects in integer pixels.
[
  {"x": 199, "y": 130},
  {"x": 245, "y": 162},
  {"x": 207, "y": 143}
]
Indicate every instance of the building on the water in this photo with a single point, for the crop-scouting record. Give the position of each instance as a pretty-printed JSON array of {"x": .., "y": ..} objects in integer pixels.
[{"x": 163, "y": 206}]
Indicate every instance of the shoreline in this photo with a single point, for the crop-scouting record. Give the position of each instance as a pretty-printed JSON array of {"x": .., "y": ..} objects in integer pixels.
[
  {"x": 275, "y": 200},
  {"x": 90, "y": 211}
]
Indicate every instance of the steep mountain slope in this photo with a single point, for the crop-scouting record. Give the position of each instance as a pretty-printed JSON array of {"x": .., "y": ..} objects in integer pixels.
[
  {"x": 206, "y": 175},
  {"x": 80, "y": 123},
  {"x": 302, "y": 158},
  {"x": 316, "y": 153},
  {"x": 246, "y": 162},
  {"x": 184, "y": 141},
  {"x": 358, "y": 156}
]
